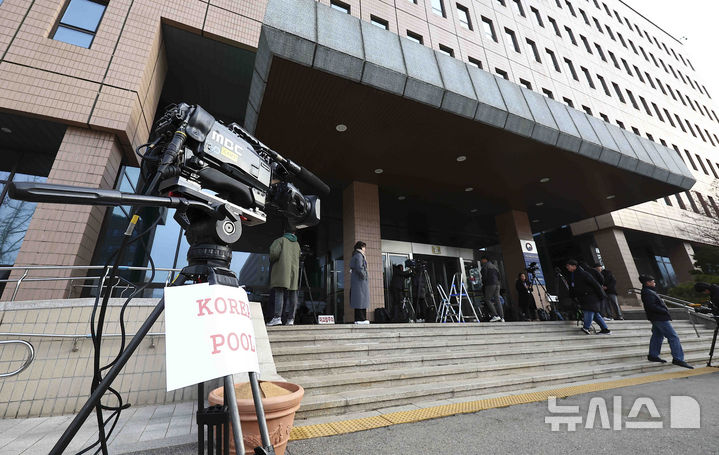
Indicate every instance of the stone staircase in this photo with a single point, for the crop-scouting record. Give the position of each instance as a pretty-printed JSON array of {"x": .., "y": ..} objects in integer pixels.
[{"x": 349, "y": 369}]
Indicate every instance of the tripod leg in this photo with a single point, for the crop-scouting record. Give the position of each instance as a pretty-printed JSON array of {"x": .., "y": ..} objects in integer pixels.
[
  {"x": 235, "y": 415},
  {"x": 714, "y": 342},
  {"x": 80, "y": 418},
  {"x": 260, "y": 411}
]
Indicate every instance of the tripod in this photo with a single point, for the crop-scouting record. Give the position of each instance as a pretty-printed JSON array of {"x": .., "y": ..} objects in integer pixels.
[
  {"x": 714, "y": 342},
  {"x": 208, "y": 258},
  {"x": 304, "y": 281}
]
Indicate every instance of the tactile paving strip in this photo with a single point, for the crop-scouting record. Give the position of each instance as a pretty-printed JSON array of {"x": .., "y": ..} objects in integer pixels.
[{"x": 416, "y": 415}]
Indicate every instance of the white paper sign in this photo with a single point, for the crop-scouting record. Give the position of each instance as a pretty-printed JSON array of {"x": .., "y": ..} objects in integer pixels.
[{"x": 209, "y": 334}]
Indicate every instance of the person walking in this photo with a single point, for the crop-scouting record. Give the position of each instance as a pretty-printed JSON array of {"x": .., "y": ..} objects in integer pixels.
[
  {"x": 284, "y": 277},
  {"x": 527, "y": 305},
  {"x": 490, "y": 283},
  {"x": 610, "y": 288},
  {"x": 359, "y": 283},
  {"x": 589, "y": 294},
  {"x": 658, "y": 313}
]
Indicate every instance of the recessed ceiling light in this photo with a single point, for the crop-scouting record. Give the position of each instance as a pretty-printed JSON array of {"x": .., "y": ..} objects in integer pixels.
[
  {"x": 535, "y": 221},
  {"x": 473, "y": 210},
  {"x": 341, "y": 127},
  {"x": 539, "y": 204},
  {"x": 544, "y": 180},
  {"x": 378, "y": 171},
  {"x": 611, "y": 196},
  {"x": 468, "y": 189},
  {"x": 5, "y": 129},
  {"x": 461, "y": 158},
  {"x": 401, "y": 198}
]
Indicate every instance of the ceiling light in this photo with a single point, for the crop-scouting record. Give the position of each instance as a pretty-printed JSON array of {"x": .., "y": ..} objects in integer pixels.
[
  {"x": 401, "y": 198},
  {"x": 468, "y": 189},
  {"x": 461, "y": 158},
  {"x": 378, "y": 171},
  {"x": 535, "y": 221},
  {"x": 473, "y": 210},
  {"x": 611, "y": 196},
  {"x": 539, "y": 204},
  {"x": 341, "y": 127},
  {"x": 544, "y": 180},
  {"x": 6, "y": 130}
]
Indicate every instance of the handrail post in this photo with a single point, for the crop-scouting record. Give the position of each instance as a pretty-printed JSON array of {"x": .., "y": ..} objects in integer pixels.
[{"x": 17, "y": 286}]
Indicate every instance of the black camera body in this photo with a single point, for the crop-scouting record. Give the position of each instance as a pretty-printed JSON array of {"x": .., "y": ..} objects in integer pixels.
[
  {"x": 532, "y": 268},
  {"x": 219, "y": 164}
]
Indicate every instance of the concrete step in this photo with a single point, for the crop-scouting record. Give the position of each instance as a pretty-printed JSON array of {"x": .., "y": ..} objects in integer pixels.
[
  {"x": 360, "y": 348},
  {"x": 513, "y": 353},
  {"x": 367, "y": 399},
  {"x": 283, "y": 336},
  {"x": 426, "y": 374}
]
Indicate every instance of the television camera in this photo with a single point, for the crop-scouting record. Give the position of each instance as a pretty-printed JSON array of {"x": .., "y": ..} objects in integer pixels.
[{"x": 218, "y": 178}]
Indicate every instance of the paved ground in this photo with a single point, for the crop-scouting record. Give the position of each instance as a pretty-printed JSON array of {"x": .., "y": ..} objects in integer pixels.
[
  {"x": 522, "y": 429},
  {"x": 170, "y": 429}
]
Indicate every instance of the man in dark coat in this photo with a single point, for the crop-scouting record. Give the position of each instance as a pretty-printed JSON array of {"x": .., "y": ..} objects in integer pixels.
[
  {"x": 491, "y": 284},
  {"x": 589, "y": 294},
  {"x": 712, "y": 290},
  {"x": 610, "y": 287},
  {"x": 658, "y": 313},
  {"x": 359, "y": 283}
]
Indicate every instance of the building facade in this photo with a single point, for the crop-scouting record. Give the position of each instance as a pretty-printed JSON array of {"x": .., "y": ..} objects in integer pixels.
[{"x": 465, "y": 125}]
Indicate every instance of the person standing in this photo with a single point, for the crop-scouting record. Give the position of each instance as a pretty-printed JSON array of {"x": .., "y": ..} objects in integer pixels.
[
  {"x": 589, "y": 293},
  {"x": 490, "y": 284},
  {"x": 284, "y": 277},
  {"x": 397, "y": 287},
  {"x": 359, "y": 283},
  {"x": 658, "y": 314},
  {"x": 712, "y": 290},
  {"x": 610, "y": 288},
  {"x": 527, "y": 305}
]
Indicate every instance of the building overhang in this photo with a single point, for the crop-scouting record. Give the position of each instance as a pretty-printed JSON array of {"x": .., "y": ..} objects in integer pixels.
[{"x": 411, "y": 111}]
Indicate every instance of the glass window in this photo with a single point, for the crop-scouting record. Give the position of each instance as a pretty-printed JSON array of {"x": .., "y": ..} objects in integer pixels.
[
  {"x": 488, "y": 28},
  {"x": 79, "y": 22},
  {"x": 604, "y": 85},
  {"x": 554, "y": 60},
  {"x": 463, "y": 15},
  {"x": 475, "y": 62},
  {"x": 588, "y": 76},
  {"x": 438, "y": 8},
  {"x": 513, "y": 37},
  {"x": 570, "y": 65},
  {"x": 586, "y": 44},
  {"x": 15, "y": 219},
  {"x": 446, "y": 50},
  {"x": 537, "y": 16},
  {"x": 619, "y": 92},
  {"x": 518, "y": 7},
  {"x": 554, "y": 26},
  {"x": 502, "y": 73},
  {"x": 568, "y": 102},
  {"x": 415, "y": 37},
  {"x": 535, "y": 52},
  {"x": 571, "y": 35},
  {"x": 379, "y": 22},
  {"x": 548, "y": 93},
  {"x": 340, "y": 6}
]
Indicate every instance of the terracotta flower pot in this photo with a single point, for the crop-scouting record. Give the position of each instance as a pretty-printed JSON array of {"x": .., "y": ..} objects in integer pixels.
[{"x": 279, "y": 414}]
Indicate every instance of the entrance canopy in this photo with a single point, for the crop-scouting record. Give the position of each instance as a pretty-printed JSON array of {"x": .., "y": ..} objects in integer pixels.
[{"x": 413, "y": 112}]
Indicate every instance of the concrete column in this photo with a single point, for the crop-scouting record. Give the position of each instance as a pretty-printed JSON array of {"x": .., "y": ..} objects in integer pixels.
[
  {"x": 61, "y": 234},
  {"x": 618, "y": 258},
  {"x": 513, "y": 227},
  {"x": 682, "y": 257},
  {"x": 360, "y": 219}
]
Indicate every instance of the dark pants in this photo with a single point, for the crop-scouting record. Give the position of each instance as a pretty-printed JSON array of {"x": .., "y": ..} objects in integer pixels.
[
  {"x": 361, "y": 315},
  {"x": 661, "y": 330},
  {"x": 285, "y": 303},
  {"x": 420, "y": 308},
  {"x": 614, "y": 306}
]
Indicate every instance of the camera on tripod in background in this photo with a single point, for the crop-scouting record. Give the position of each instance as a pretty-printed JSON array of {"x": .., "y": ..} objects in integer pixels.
[{"x": 532, "y": 268}]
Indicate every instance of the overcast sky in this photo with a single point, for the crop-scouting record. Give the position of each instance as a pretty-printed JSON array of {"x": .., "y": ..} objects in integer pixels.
[{"x": 698, "y": 21}]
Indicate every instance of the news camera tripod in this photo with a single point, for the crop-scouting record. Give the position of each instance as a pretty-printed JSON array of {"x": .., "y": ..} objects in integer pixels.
[
  {"x": 714, "y": 342},
  {"x": 209, "y": 230},
  {"x": 304, "y": 281}
]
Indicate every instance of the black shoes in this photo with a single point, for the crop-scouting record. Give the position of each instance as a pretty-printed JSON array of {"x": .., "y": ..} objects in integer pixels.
[
  {"x": 605, "y": 332},
  {"x": 682, "y": 363},
  {"x": 656, "y": 359}
]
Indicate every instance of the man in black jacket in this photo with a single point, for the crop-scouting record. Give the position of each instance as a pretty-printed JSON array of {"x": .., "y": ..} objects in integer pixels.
[
  {"x": 589, "y": 293},
  {"x": 658, "y": 314},
  {"x": 610, "y": 287},
  {"x": 712, "y": 290}
]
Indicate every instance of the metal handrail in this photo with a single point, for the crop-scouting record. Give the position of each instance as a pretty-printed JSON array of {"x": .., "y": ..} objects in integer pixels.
[
  {"x": 679, "y": 303},
  {"x": 28, "y": 361},
  {"x": 26, "y": 270}
]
